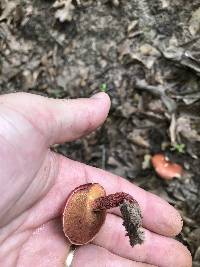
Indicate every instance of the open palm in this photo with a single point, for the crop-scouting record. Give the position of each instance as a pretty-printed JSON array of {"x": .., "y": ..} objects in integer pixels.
[{"x": 35, "y": 183}]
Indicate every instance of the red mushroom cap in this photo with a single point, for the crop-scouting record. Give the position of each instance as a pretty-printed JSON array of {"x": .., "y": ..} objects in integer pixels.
[
  {"x": 80, "y": 222},
  {"x": 166, "y": 169}
]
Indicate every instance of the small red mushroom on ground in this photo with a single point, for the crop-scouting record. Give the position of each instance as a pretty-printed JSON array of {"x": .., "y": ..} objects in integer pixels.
[
  {"x": 165, "y": 168},
  {"x": 85, "y": 213}
]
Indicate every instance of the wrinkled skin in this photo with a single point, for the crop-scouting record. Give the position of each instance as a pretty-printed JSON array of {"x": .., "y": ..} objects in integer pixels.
[{"x": 35, "y": 183}]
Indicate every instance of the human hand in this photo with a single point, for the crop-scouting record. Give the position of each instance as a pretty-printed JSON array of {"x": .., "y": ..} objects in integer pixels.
[{"x": 35, "y": 183}]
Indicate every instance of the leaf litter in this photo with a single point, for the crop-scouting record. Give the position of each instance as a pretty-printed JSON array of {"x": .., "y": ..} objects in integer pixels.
[{"x": 148, "y": 56}]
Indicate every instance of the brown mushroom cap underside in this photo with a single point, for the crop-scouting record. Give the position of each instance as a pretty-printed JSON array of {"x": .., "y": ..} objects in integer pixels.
[{"x": 80, "y": 222}]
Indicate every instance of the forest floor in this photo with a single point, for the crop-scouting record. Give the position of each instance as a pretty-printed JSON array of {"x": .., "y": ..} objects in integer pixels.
[{"x": 146, "y": 55}]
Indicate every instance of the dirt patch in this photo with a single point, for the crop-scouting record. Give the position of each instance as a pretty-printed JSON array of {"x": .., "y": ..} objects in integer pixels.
[{"x": 146, "y": 55}]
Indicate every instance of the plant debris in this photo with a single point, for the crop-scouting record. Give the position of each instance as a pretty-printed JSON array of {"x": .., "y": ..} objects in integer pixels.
[{"x": 64, "y": 10}]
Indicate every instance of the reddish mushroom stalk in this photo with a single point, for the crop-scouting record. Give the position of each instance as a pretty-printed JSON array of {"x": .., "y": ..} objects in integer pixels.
[
  {"x": 85, "y": 213},
  {"x": 111, "y": 201}
]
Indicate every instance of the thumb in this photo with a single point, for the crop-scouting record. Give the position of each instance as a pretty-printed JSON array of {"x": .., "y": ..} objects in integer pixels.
[{"x": 60, "y": 120}]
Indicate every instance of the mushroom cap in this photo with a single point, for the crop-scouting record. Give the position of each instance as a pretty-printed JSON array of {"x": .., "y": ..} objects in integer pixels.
[
  {"x": 165, "y": 168},
  {"x": 80, "y": 222}
]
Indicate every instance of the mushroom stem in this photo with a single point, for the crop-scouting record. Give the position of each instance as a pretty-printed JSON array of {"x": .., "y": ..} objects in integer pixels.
[
  {"x": 111, "y": 201},
  {"x": 130, "y": 210}
]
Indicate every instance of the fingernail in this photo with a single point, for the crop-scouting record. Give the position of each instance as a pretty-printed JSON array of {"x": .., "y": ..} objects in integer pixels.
[{"x": 99, "y": 95}]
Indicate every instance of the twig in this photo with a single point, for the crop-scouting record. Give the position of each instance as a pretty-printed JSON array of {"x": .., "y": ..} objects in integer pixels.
[{"x": 158, "y": 91}]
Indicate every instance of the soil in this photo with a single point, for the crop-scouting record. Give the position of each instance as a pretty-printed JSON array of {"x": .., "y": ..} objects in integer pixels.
[{"x": 146, "y": 55}]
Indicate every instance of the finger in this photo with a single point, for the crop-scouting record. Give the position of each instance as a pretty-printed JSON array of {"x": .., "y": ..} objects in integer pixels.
[
  {"x": 158, "y": 215},
  {"x": 157, "y": 250},
  {"x": 60, "y": 120},
  {"x": 95, "y": 256},
  {"x": 47, "y": 247},
  {"x": 44, "y": 246}
]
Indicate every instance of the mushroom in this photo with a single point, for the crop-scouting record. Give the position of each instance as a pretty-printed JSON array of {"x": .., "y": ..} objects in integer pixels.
[
  {"x": 85, "y": 213},
  {"x": 165, "y": 168}
]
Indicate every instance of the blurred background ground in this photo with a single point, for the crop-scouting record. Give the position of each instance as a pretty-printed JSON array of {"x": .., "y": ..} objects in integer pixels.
[{"x": 146, "y": 55}]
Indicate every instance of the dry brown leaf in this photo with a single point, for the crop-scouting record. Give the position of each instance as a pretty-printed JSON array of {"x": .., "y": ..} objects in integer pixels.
[
  {"x": 64, "y": 10},
  {"x": 184, "y": 127},
  {"x": 194, "y": 26},
  {"x": 8, "y": 7}
]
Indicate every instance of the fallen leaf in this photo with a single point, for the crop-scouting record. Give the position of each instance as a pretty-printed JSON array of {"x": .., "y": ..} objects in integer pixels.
[
  {"x": 64, "y": 10},
  {"x": 194, "y": 26},
  {"x": 185, "y": 127},
  {"x": 8, "y": 7}
]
